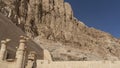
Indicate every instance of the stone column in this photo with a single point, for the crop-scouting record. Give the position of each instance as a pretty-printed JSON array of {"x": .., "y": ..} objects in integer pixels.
[
  {"x": 3, "y": 50},
  {"x": 31, "y": 60},
  {"x": 20, "y": 54}
]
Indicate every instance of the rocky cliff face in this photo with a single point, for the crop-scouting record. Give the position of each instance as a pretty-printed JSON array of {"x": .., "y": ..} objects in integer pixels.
[
  {"x": 46, "y": 18},
  {"x": 51, "y": 24}
]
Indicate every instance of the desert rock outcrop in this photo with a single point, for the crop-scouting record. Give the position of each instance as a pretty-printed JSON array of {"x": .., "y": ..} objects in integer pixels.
[{"x": 51, "y": 24}]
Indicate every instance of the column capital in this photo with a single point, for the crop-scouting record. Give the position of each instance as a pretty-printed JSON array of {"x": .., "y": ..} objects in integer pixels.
[{"x": 3, "y": 42}]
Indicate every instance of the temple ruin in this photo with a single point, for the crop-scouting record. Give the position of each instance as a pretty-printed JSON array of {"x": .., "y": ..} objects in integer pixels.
[{"x": 24, "y": 60}]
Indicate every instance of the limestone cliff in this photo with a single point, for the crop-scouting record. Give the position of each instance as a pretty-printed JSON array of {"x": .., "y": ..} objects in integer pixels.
[{"x": 52, "y": 24}]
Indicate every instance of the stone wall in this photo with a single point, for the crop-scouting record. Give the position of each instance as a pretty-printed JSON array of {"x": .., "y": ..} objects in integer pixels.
[
  {"x": 68, "y": 64},
  {"x": 7, "y": 64},
  {"x": 78, "y": 64}
]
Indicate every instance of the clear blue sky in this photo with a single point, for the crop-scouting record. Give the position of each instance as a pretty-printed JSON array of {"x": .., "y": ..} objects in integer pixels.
[{"x": 100, "y": 14}]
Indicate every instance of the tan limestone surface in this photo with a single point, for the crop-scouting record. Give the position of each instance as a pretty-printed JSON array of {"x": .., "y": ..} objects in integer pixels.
[
  {"x": 78, "y": 64},
  {"x": 51, "y": 23}
]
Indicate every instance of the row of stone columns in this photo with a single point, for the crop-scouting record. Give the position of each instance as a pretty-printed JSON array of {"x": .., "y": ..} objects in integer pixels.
[
  {"x": 20, "y": 61},
  {"x": 20, "y": 55},
  {"x": 3, "y": 50}
]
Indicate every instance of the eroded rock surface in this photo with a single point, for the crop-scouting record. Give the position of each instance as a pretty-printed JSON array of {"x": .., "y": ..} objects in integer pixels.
[{"x": 52, "y": 24}]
